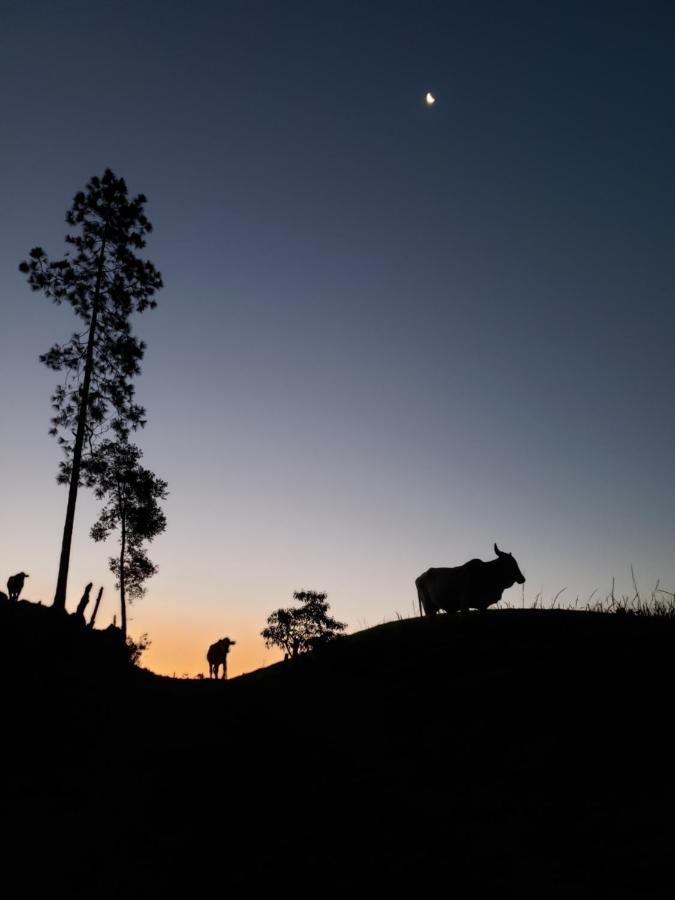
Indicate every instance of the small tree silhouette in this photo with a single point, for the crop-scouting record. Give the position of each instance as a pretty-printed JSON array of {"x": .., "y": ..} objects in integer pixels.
[
  {"x": 302, "y": 628},
  {"x": 130, "y": 494},
  {"x": 136, "y": 649}
]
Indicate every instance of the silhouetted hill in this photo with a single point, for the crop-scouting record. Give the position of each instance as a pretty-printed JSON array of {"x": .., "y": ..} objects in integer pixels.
[
  {"x": 41, "y": 645},
  {"x": 519, "y": 751}
]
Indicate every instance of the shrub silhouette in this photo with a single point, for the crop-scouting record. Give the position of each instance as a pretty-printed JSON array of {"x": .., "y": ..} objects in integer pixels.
[
  {"x": 136, "y": 649},
  {"x": 298, "y": 629}
]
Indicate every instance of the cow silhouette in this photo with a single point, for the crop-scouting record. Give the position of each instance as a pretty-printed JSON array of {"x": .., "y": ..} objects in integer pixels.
[
  {"x": 216, "y": 656},
  {"x": 15, "y": 585},
  {"x": 475, "y": 585}
]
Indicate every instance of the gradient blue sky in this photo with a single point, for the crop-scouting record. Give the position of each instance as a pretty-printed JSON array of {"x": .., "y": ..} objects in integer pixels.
[{"x": 390, "y": 335}]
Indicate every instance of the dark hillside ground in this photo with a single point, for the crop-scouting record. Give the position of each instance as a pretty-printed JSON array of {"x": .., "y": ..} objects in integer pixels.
[{"x": 520, "y": 751}]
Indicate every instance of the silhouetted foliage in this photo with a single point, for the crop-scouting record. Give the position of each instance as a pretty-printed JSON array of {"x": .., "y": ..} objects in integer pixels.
[
  {"x": 130, "y": 494},
  {"x": 299, "y": 629},
  {"x": 104, "y": 282},
  {"x": 136, "y": 648}
]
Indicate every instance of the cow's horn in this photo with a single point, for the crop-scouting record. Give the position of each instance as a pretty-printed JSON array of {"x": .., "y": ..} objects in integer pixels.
[{"x": 498, "y": 551}]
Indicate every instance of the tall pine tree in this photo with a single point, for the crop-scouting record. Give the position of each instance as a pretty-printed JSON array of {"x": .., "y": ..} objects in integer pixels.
[{"x": 104, "y": 281}]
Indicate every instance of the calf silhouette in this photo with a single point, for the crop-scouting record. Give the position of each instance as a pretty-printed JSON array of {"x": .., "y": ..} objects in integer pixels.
[
  {"x": 15, "y": 585},
  {"x": 216, "y": 656}
]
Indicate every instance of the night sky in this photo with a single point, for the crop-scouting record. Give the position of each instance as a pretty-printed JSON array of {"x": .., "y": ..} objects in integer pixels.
[{"x": 391, "y": 334}]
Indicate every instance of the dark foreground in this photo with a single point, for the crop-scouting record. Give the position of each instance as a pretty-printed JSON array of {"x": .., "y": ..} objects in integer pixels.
[{"x": 519, "y": 751}]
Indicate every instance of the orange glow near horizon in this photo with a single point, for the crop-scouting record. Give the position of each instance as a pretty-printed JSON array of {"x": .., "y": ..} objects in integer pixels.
[{"x": 178, "y": 649}]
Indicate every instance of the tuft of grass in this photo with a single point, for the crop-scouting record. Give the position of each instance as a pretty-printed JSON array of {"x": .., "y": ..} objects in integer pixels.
[{"x": 659, "y": 604}]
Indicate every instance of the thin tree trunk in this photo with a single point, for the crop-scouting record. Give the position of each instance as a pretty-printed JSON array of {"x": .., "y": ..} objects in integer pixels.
[
  {"x": 64, "y": 563},
  {"x": 96, "y": 606},
  {"x": 82, "y": 605},
  {"x": 123, "y": 603}
]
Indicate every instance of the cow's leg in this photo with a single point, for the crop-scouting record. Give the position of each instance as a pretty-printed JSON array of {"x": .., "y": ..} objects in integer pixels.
[
  {"x": 427, "y": 608},
  {"x": 464, "y": 603},
  {"x": 420, "y": 600}
]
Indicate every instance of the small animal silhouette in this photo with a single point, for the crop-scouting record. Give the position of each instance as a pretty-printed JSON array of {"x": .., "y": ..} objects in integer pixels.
[
  {"x": 216, "y": 656},
  {"x": 15, "y": 585}
]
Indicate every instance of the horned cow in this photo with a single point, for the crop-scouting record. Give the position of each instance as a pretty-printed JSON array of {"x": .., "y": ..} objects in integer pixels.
[
  {"x": 216, "y": 656},
  {"x": 475, "y": 585}
]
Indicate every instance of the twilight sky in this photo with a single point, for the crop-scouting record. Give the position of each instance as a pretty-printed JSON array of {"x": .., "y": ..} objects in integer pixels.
[{"x": 390, "y": 334}]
